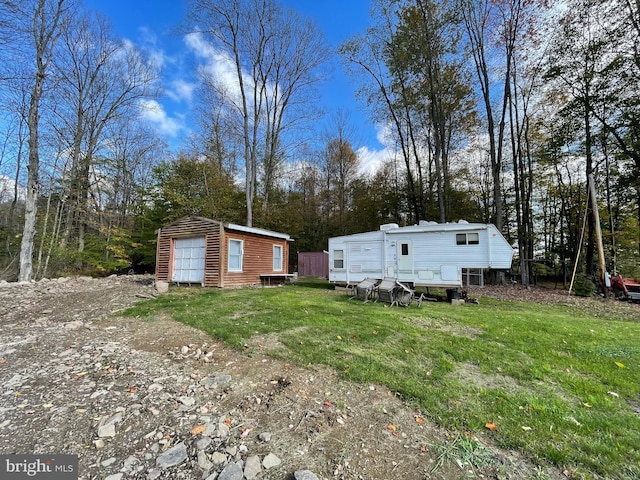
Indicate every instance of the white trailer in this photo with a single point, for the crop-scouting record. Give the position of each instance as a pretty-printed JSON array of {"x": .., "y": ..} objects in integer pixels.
[{"x": 429, "y": 254}]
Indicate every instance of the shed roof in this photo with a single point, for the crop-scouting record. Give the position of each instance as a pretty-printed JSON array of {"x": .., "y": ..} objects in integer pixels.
[
  {"x": 257, "y": 231},
  {"x": 233, "y": 226}
]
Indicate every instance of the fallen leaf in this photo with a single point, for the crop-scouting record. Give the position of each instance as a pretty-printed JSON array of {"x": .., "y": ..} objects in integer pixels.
[
  {"x": 391, "y": 427},
  {"x": 328, "y": 404},
  {"x": 81, "y": 374},
  {"x": 586, "y": 405},
  {"x": 491, "y": 426},
  {"x": 375, "y": 332},
  {"x": 526, "y": 429},
  {"x": 227, "y": 421},
  {"x": 620, "y": 365},
  {"x": 3, "y": 360},
  {"x": 47, "y": 405},
  {"x": 613, "y": 394},
  {"x": 198, "y": 429},
  {"x": 419, "y": 419},
  {"x": 568, "y": 473},
  {"x": 339, "y": 337}
]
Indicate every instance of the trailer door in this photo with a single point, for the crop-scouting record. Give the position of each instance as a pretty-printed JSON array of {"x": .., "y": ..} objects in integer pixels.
[{"x": 405, "y": 258}]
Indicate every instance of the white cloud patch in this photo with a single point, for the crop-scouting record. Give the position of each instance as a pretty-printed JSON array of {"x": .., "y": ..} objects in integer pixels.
[
  {"x": 154, "y": 113},
  {"x": 156, "y": 55},
  {"x": 181, "y": 90},
  {"x": 371, "y": 160},
  {"x": 217, "y": 65}
]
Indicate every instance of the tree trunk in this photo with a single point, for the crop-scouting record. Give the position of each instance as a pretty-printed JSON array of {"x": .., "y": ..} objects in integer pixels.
[
  {"x": 45, "y": 33},
  {"x": 33, "y": 169}
]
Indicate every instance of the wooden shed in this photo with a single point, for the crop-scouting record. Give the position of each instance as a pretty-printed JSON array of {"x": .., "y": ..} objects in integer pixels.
[
  {"x": 313, "y": 264},
  {"x": 196, "y": 250}
]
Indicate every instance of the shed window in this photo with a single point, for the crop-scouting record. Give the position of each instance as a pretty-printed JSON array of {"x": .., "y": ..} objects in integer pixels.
[
  {"x": 235, "y": 255},
  {"x": 338, "y": 259},
  {"x": 277, "y": 258},
  {"x": 467, "y": 239}
]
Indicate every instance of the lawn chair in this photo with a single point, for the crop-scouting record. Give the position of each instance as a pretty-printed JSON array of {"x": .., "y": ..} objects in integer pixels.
[
  {"x": 365, "y": 290},
  {"x": 387, "y": 290},
  {"x": 404, "y": 295}
]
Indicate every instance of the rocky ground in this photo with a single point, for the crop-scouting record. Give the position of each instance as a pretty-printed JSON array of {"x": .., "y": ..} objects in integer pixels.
[{"x": 150, "y": 399}]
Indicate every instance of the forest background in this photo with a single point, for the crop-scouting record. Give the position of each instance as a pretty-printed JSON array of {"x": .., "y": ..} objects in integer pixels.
[{"x": 500, "y": 111}]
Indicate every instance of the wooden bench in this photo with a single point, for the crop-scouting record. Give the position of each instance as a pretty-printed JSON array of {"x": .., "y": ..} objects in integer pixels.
[{"x": 277, "y": 278}]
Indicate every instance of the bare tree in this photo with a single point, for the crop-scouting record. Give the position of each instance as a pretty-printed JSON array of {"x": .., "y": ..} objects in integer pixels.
[
  {"x": 101, "y": 80},
  {"x": 366, "y": 56},
  {"x": 340, "y": 170},
  {"x": 480, "y": 18},
  {"x": 276, "y": 57},
  {"x": 48, "y": 21}
]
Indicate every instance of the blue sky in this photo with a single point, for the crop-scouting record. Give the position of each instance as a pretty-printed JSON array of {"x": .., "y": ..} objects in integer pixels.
[{"x": 151, "y": 25}]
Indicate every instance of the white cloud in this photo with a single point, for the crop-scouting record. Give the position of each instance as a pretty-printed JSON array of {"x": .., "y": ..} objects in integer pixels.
[
  {"x": 181, "y": 90},
  {"x": 371, "y": 160},
  {"x": 155, "y": 114},
  {"x": 149, "y": 44},
  {"x": 7, "y": 190},
  {"x": 217, "y": 66}
]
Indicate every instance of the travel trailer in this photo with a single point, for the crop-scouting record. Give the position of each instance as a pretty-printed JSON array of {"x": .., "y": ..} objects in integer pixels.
[{"x": 429, "y": 254}]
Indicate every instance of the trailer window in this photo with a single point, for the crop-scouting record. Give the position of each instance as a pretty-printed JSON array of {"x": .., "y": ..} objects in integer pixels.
[
  {"x": 404, "y": 249},
  {"x": 338, "y": 259},
  {"x": 467, "y": 239}
]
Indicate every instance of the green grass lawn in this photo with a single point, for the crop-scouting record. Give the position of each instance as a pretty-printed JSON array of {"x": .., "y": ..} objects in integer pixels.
[{"x": 559, "y": 383}]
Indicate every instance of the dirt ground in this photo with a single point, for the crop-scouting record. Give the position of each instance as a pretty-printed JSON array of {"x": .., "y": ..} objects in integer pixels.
[{"x": 148, "y": 399}]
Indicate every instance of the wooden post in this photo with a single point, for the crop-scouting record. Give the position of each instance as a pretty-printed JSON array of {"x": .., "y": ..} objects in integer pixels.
[{"x": 598, "y": 232}]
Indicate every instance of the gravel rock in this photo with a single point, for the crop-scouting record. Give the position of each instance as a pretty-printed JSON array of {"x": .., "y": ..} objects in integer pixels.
[
  {"x": 174, "y": 456},
  {"x": 305, "y": 475},
  {"x": 271, "y": 461},
  {"x": 231, "y": 472}
]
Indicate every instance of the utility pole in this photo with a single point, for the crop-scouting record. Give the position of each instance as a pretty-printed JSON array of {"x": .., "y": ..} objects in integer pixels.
[{"x": 598, "y": 233}]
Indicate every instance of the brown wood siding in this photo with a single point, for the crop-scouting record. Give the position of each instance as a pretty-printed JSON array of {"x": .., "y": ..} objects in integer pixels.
[
  {"x": 163, "y": 257},
  {"x": 212, "y": 277},
  {"x": 257, "y": 259},
  {"x": 185, "y": 228},
  {"x": 313, "y": 264}
]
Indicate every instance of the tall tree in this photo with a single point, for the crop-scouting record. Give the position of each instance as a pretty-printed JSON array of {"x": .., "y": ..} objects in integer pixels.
[
  {"x": 341, "y": 168},
  {"x": 48, "y": 20},
  {"x": 100, "y": 80},
  {"x": 389, "y": 97},
  {"x": 425, "y": 52},
  {"x": 276, "y": 56},
  {"x": 576, "y": 60},
  {"x": 481, "y": 19}
]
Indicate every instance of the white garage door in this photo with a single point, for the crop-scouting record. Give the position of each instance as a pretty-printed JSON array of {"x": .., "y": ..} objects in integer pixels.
[{"x": 188, "y": 260}]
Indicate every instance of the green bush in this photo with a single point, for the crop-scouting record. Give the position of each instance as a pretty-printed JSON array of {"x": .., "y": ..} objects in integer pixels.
[{"x": 583, "y": 286}]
